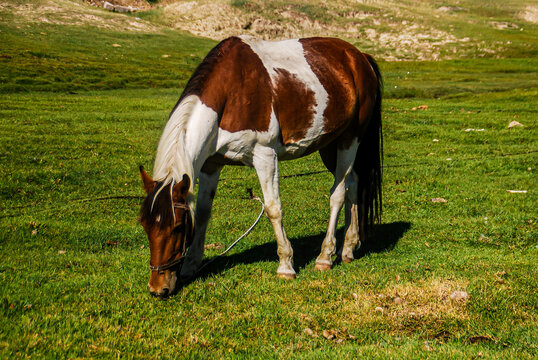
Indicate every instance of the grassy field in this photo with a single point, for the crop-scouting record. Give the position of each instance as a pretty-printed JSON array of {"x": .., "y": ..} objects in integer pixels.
[{"x": 73, "y": 276}]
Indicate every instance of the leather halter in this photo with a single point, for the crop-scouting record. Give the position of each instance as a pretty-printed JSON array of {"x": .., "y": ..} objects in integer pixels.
[{"x": 178, "y": 261}]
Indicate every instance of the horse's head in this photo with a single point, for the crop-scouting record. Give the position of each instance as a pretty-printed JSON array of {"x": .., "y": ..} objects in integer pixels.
[{"x": 167, "y": 220}]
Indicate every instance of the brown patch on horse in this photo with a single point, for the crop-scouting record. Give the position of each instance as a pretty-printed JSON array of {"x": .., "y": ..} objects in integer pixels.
[
  {"x": 197, "y": 84},
  {"x": 233, "y": 82},
  {"x": 348, "y": 78},
  {"x": 157, "y": 207},
  {"x": 247, "y": 83},
  {"x": 293, "y": 104},
  {"x": 147, "y": 181}
]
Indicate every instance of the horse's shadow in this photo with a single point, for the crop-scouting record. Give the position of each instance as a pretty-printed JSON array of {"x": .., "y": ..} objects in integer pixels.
[{"x": 306, "y": 249}]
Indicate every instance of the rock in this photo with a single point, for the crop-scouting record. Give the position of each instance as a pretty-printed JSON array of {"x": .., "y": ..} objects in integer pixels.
[
  {"x": 514, "y": 124},
  {"x": 421, "y": 107},
  {"x": 449, "y": 9},
  {"x": 119, "y": 8}
]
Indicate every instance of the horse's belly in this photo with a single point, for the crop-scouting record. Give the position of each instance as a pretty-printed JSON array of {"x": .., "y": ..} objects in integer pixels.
[{"x": 305, "y": 147}]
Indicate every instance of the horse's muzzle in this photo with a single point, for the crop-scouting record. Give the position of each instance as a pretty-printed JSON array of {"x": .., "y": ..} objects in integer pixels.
[{"x": 163, "y": 284}]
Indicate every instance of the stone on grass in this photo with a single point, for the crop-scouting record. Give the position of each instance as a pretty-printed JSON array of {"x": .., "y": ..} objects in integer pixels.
[{"x": 514, "y": 124}]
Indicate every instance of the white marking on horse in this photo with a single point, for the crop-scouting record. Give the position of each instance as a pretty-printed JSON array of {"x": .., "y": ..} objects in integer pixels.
[
  {"x": 289, "y": 55},
  {"x": 171, "y": 161}
]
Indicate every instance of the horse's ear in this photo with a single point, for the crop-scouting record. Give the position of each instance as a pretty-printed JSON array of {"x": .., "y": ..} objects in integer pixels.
[
  {"x": 148, "y": 182},
  {"x": 182, "y": 187}
]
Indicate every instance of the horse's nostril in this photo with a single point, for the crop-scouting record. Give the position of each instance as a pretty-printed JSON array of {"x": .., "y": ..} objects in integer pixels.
[{"x": 162, "y": 294}]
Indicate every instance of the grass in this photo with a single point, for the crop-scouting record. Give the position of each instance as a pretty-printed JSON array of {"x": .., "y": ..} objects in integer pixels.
[
  {"x": 50, "y": 57},
  {"x": 74, "y": 272}
]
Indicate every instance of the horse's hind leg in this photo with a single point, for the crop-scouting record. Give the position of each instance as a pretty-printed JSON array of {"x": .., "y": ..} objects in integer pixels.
[
  {"x": 266, "y": 164},
  {"x": 352, "y": 218},
  {"x": 344, "y": 165}
]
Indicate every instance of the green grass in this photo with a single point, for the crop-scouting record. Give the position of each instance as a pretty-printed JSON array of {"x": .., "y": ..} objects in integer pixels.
[
  {"x": 64, "y": 58},
  {"x": 92, "y": 300},
  {"x": 74, "y": 272}
]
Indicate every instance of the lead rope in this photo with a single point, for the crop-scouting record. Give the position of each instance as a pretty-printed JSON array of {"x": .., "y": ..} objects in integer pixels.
[{"x": 241, "y": 237}]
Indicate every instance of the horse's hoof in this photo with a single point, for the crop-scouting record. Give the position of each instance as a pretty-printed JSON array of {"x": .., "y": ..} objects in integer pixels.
[
  {"x": 346, "y": 260},
  {"x": 287, "y": 276},
  {"x": 322, "y": 267}
]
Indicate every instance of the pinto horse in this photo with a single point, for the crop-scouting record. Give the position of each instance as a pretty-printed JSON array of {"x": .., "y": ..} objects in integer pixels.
[{"x": 253, "y": 102}]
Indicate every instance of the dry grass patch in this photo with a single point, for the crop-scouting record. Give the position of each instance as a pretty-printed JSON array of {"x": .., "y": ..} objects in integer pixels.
[{"x": 426, "y": 305}]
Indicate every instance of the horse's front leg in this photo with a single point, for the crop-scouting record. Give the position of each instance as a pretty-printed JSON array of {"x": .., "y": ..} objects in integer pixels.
[
  {"x": 207, "y": 186},
  {"x": 265, "y": 162}
]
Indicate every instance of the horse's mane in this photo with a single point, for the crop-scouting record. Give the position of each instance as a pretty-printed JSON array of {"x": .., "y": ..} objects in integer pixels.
[{"x": 172, "y": 161}]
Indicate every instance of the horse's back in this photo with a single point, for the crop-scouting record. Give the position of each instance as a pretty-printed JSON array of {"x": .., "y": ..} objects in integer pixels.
[{"x": 308, "y": 91}]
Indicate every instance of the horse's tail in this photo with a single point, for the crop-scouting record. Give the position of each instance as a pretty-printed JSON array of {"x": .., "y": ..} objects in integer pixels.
[{"x": 369, "y": 160}]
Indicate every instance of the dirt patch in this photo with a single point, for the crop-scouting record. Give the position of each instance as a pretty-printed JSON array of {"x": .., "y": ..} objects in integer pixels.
[
  {"x": 530, "y": 14},
  {"x": 399, "y": 40},
  {"x": 65, "y": 12},
  {"x": 503, "y": 25},
  {"x": 219, "y": 21}
]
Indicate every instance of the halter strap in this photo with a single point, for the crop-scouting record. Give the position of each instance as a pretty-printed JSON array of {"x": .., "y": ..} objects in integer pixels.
[
  {"x": 178, "y": 261},
  {"x": 181, "y": 206},
  {"x": 167, "y": 266}
]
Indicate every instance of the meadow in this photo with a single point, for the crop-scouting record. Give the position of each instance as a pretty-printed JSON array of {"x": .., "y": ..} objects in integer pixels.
[{"x": 79, "y": 115}]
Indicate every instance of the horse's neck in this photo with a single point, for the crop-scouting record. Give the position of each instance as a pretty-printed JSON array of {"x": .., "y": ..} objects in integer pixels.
[{"x": 188, "y": 139}]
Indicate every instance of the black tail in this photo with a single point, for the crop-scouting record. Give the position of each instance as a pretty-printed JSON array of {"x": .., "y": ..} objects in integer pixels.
[{"x": 369, "y": 160}]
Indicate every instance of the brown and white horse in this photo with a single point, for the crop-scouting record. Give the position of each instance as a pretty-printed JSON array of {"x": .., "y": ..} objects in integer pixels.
[{"x": 253, "y": 102}]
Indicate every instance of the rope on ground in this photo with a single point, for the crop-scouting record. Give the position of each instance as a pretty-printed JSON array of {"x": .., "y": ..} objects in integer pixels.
[
  {"x": 309, "y": 173},
  {"x": 239, "y": 238}
]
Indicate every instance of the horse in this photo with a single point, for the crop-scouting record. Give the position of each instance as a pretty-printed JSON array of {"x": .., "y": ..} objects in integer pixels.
[{"x": 255, "y": 103}]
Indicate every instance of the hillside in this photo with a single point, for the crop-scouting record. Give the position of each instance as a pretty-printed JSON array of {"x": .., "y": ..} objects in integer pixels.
[
  {"x": 393, "y": 29},
  {"x": 69, "y": 45}
]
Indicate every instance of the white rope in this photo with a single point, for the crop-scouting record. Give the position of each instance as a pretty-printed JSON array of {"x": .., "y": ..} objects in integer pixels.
[{"x": 238, "y": 239}]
